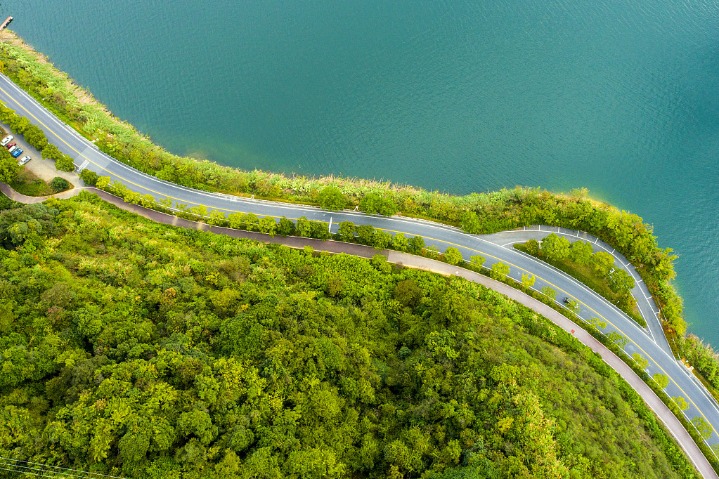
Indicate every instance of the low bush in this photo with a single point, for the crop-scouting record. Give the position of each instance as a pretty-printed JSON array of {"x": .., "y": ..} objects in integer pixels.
[
  {"x": 89, "y": 177},
  {"x": 65, "y": 163},
  {"x": 59, "y": 184}
]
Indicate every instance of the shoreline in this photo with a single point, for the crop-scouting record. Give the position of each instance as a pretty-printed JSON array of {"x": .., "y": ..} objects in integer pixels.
[
  {"x": 390, "y": 187},
  {"x": 475, "y": 213}
]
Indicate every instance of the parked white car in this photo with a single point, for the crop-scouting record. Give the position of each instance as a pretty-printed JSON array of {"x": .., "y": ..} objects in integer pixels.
[
  {"x": 6, "y": 140},
  {"x": 24, "y": 160},
  {"x": 12, "y": 148}
]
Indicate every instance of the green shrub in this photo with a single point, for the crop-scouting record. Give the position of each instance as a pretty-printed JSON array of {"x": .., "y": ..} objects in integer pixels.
[
  {"x": 346, "y": 231},
  {"x": 65, "y": 163},
  {"x": 470, "y": 222},
  {"x": 580, "y": 252},
  {"x": 555, "y": 248},
  {"x": 304, "y": 227},
  {"x": 9, "y": 169},
  {"x": 320, "y": 230},
  {"x": 59, "y": 184},
  {"x": 382, "y": 239},
  {"x": 532, "y": 247},
  {"x": 416, "y": 244},
  {"x": 332, "y": 198},
  {"x": 285, "y": 227},
  {"x": 453, "y": 256},
  {"x": 268, "y": 225},
  {"x": 549, "y": 292},
  {"x": 499, "y": 271},
  {"x": 400, "y": 242},
  {"x": 477, "y": 262},
  {"x": 35, "y": 137},
  {"x": 378, "y": 203},
  {"x": 528, "y": 280},
  {"x": 51, "y": 152},
  {"x": 19, "y": 124},
  {"x": 365, "y": 234},
  {"x": 89, "y": 177}
]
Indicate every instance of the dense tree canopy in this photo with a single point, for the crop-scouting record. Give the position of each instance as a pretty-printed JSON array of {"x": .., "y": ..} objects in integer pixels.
[{"x": 139, "y": 349}]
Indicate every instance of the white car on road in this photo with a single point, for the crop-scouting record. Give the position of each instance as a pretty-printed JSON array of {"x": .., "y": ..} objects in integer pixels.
[
  {"x": 24, "y": 160},
  {"x": 6, "y": 140}
]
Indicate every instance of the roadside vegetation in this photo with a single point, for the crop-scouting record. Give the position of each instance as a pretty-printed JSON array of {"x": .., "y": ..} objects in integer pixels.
[
  {"x": 704, "y": 358},
  {"x": 596, "y": 270},
  {"x": 140, "y": 349},
  {"x": 474, "y": 213},
  {"x": 9, "y": 168}
]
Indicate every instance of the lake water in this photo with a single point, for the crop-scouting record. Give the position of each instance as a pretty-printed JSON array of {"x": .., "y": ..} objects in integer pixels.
[{"x": 460, "y": 96}]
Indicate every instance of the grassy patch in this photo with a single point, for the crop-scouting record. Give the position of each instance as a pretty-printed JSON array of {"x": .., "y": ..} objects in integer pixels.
[
  {"x": 30, "y": 184},
  {"x": 587, "y": 275}
]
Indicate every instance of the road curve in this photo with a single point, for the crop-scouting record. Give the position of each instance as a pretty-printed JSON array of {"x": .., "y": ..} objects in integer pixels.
[
  {"x": 645, "y": 302},
  {"x": 86, "y": 155}
]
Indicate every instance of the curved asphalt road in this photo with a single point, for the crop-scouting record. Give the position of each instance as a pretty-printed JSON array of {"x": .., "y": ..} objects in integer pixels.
[
  {"x": 645, "y": 302},
  {"x": 86, "y": 155}
]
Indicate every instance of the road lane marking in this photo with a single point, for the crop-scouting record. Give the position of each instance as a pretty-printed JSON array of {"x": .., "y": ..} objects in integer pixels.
[{"x": 637, "y": 278}]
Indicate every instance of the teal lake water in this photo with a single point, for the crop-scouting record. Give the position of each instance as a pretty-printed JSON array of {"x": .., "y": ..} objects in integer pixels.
[{"x": 459, "y": 96}]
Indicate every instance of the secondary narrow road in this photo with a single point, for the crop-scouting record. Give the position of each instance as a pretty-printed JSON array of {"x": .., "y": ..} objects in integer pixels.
[
  {"x": 86, "y": 155},
  {"x": 645, "y": 302}
]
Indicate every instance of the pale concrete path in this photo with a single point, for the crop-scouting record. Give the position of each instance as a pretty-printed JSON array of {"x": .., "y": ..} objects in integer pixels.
[
  {"x": 20, "y": 198},
  {"x": 650, "y": 398},
  {"x": 672, "y": 424}
]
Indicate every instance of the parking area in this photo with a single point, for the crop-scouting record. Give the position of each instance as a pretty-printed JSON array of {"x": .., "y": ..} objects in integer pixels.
[{"x": 43, "y": 169}]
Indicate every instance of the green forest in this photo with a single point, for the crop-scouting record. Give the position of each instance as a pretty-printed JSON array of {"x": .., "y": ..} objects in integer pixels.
[{"x": 141, "y": 350}]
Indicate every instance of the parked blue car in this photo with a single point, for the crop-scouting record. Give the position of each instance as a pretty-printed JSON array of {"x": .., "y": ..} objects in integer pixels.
[{"x": 17, "y": 152}]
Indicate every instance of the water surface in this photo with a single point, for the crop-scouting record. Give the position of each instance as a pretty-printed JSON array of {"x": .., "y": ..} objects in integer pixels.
[{"x": 459, "y": 96}]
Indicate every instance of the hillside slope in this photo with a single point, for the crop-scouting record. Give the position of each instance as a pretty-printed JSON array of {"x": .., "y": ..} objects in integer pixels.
[{"x": 148, "y": 351}]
